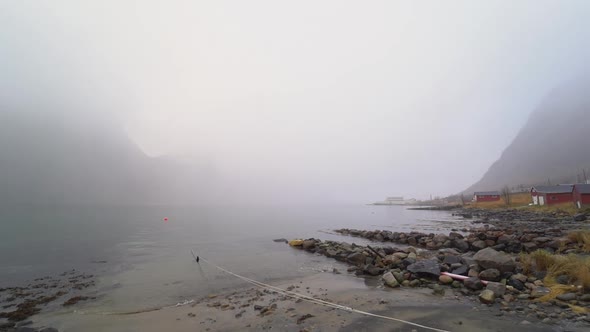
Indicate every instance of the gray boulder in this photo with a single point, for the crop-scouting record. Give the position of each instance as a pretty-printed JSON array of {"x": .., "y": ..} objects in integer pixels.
[
  {"x": 460, "y": 244},
  {"x": 580, "y": 217},
  {"x": 25, "y": 329},
  {"x": 390, "y": 280},
  {"x": 478, "y": 245},
  {"x": 473, "y": 283},
  {"x": 498, "y": 288},
  {"x": 308, "y": 244},
  {"x": 451, "y": 260},
  {"x": 490, "y": 274},
  {"x": 489, "y": 258},
  {"x": 530, "y": 246},
  {"x": 429, "y": 267},
  {"x": 356, "y": 258},
  {"x": 502, "y": 239},
  {"x": 372, "y": 270},
  {"x": 487, "y": 297},
  {"x": 519, "y": 285},
  {"x": 461, "y": 270},
  {"x": 567, "y": 297}
]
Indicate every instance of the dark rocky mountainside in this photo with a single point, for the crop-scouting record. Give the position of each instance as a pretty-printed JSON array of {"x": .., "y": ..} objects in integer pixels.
[
  {"x": 553, "y": 145},
  {"x": 47, "y": 158}
]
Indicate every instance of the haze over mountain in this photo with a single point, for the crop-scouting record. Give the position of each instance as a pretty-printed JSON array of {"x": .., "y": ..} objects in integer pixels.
[
  {"x": 267, "y": 102},
  {"x": 553, "y": 145},
  {"x": 76, "y": 158}
]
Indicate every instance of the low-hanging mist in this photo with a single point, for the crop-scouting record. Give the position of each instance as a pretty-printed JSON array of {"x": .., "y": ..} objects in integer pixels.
[{"x": 270, "y": 103}]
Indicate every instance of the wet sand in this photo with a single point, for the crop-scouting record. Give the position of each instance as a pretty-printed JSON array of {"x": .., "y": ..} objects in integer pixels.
[{"x": 254, "y": 309}]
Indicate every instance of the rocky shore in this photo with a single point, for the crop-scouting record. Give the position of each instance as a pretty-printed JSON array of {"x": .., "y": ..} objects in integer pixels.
[
  {"x": 19, "y": 303},
  {"x": 509, "y": 231},
  {"x": 486, "y": 259}
]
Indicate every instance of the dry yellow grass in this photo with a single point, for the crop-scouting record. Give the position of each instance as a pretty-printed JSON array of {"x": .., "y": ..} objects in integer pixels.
[
  {"x": 582, "y": 238},
  {"x": 516, "y": 200},
  {"x": 520, "y": 199},
  {"x": 576, "y": 267},
  {"x": 557, "y": 290},
  {"x": 568, "y": 208},
  {"x": 578, "y": 309}
]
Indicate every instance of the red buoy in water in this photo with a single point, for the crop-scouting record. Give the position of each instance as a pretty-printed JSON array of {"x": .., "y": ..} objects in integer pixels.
[{"x": 165, "y": 218}]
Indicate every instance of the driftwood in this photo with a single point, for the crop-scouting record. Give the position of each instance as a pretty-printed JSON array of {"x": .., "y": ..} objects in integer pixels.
[{"x": 375, "y": 251}]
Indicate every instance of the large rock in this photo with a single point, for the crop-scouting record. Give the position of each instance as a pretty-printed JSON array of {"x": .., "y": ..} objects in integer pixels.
[
  {"x": 451, "y": 260},
  {"x": 473, "y": 283},
  {"x": 498, "y": 288},
  {"x": 296, "y": 243},
  {"x": 308, "y": 244},
  {"x": 445, "y": 280},
  {"x": 487, "y": 297},
  {"x": 390, "y": 280},
  {"x": 460, "y": 244},
  {"x": 478, "y": 245},
  {"x": 580, "y": 217},
  {"x": 372, "y": 270},
  {"x": 489, "y": 258},
  {"x": 461, "y": 270},
  {"x": 519, "y": 285},
  {"x": 429, "y": 267},
  {"x": 567, "y": 297},
  {"x": 502, "y": 239},
  {"x": 490, "y": 274},
  {"x": 530, "y": 246},
  {"x": 356, "y": 258},
  {"x": 25, "y": 329}
]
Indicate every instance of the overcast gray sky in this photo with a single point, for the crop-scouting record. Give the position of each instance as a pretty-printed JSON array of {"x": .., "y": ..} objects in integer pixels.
[{"x": 346, "y": 101}]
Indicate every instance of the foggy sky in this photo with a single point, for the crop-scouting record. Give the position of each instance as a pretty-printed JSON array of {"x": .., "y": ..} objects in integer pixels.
[{"x": 343, "y": 101}]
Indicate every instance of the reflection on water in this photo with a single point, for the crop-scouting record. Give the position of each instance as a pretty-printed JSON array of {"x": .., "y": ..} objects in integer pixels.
[{"x": 146, "y": 261}]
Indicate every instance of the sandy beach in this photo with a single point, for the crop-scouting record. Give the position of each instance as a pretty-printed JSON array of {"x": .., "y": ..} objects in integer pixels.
[{"x": 255, "y": 309}]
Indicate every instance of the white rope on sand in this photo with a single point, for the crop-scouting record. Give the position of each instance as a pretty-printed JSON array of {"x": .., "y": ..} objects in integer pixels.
[{"x": 318, "y": 301}]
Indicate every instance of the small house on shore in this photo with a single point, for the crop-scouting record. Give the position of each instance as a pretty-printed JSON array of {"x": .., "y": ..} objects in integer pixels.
[
  {"x": 549, "y": 195},
  {"x": 581, "y": 194},
  {"x": 486, "y": 196}
]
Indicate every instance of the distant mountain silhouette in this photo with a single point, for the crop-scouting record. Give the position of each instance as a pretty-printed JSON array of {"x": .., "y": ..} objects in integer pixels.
[
  {"x": 553, "y": 146},
  {"x": 48, "y": 158}
]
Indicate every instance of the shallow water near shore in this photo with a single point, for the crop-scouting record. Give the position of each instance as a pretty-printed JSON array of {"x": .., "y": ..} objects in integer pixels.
[{"x": 142, "y": 261}]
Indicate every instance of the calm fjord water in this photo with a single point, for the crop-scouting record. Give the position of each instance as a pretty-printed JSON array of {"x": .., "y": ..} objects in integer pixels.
[{"x": 142, "y": 260}]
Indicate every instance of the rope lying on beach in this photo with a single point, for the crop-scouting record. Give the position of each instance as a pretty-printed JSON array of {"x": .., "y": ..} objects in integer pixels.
[{"x": 318, "y": 301}]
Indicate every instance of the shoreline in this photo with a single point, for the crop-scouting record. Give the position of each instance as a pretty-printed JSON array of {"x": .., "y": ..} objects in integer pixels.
[
  {"x": 427, "y": 303},
  {"x": 253, "y": 309}
]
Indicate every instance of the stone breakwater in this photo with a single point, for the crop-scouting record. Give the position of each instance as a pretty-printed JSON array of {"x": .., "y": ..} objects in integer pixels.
[
  {"x": 501, "y": 231},
  {"x": 491, "y": 277}
]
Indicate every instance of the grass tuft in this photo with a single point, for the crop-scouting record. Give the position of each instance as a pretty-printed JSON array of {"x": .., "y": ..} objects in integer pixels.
[
  {"x": 582, "y": 238},
  {"x": 575, "y": 267},
  {"x": 557, "y": 290}
]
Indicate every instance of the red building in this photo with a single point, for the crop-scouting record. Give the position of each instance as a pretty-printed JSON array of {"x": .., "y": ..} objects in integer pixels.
[
  {"x": 549, "y": 195},
  {"x": 486, "y": 196},
  {"x": 581, "y": 195}
]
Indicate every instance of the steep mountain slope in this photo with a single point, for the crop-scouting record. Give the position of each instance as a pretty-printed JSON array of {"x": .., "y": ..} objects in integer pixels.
[
  {"x": 552, "y": 147},
  {"x": 51, "y": 158}
]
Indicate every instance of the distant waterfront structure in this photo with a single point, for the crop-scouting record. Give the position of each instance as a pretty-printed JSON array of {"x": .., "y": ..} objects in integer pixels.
[
  {"x": 486, "y": 196},
  {"x": 549, "y": 195},
  {"x": 581, "y": 194},
  {"x": 396, "y": 200}
]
